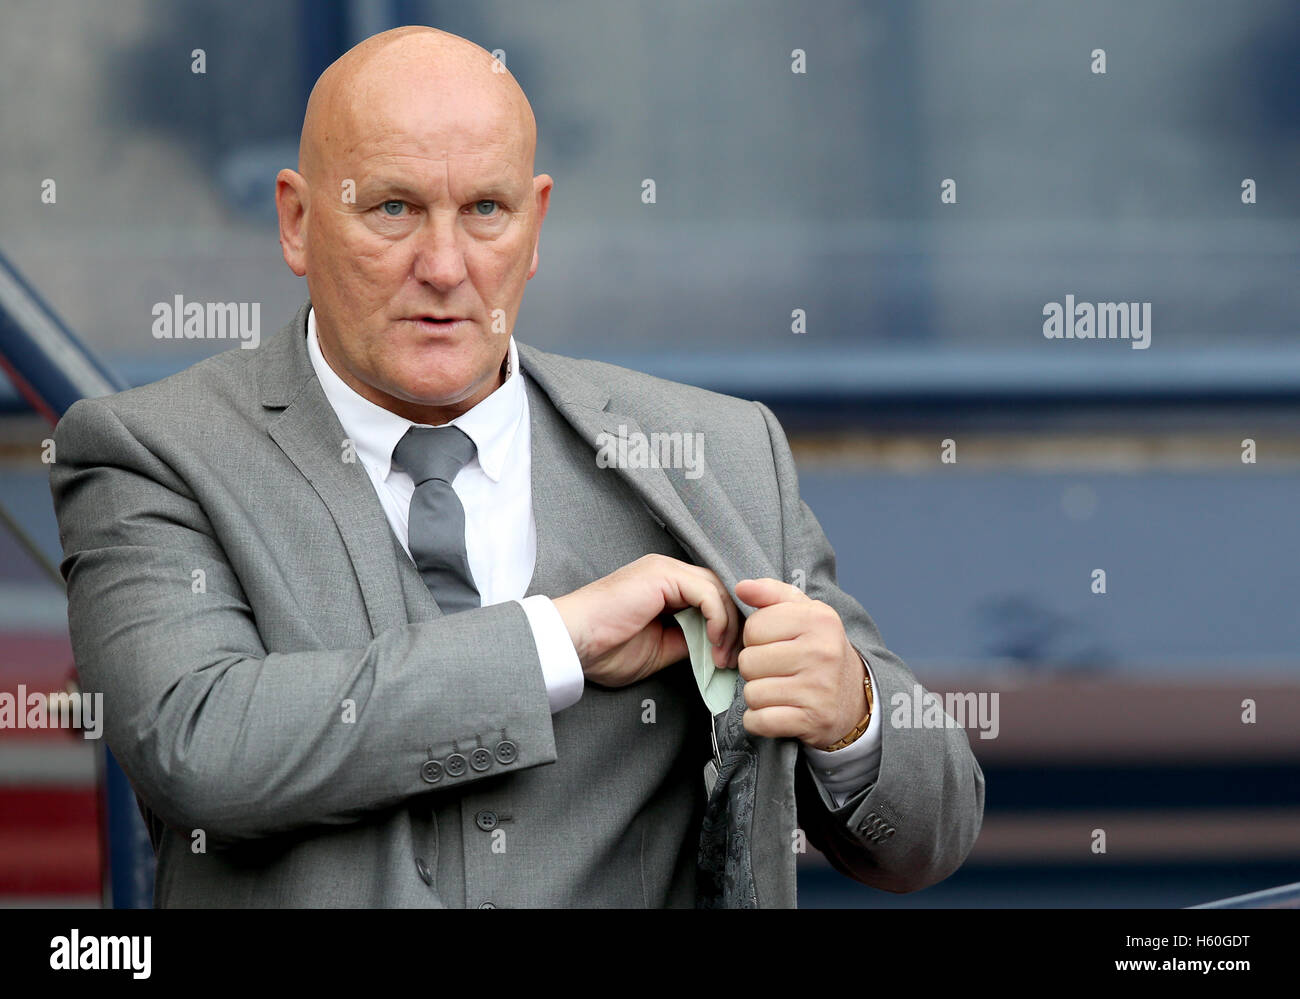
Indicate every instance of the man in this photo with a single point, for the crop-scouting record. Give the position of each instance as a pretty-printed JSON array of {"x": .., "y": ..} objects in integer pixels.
[{"x": 376, "y": 627}]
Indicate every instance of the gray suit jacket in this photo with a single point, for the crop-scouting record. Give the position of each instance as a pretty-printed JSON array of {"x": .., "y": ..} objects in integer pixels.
[{"x": 304, "y": 727}]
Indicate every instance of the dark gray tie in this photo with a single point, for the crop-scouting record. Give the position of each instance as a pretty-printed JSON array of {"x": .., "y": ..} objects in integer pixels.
[{"x": 436, "y": 526}]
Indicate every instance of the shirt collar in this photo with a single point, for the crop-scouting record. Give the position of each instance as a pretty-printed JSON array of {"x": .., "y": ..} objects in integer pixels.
[{"x": 375, "y": 431}]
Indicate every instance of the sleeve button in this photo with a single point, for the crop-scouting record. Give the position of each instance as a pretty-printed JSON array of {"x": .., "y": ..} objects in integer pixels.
[{"x": 507, "y": 752}]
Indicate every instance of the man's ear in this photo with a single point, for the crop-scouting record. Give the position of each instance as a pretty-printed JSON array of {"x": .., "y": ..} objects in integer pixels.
[
  {"x": 542, "y": 185},
  {"x": 291, "y": 201}
]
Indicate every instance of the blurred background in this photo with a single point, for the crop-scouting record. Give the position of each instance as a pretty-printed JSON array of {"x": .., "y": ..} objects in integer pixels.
[{"x": 820, "y": 191}]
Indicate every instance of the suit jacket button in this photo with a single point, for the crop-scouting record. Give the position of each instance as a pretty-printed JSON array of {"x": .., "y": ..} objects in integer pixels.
[
  {"x": 487, "y": 905},
  {"x": 480, "y": 759},
  {"x": 422, "y": 869},
  {"x": 455, "y": 764},
  {"x": 507, "y": 752},
  {"x": 486, "y": 819},
  {"x": 431, "y": 771}
]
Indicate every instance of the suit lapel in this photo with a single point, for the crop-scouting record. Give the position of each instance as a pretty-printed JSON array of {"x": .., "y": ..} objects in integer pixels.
[
  {"x": 310, "y": 435},
  {"x": 584, "y": 405}
]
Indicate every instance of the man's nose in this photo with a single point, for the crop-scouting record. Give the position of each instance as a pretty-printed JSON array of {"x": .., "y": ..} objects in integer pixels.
[{"x": 439, "y": 257}]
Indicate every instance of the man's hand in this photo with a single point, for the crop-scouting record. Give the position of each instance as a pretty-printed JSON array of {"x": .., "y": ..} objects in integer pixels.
[
  {"x": 615, "y": 621},
  {"x": 803, "y": 675}
]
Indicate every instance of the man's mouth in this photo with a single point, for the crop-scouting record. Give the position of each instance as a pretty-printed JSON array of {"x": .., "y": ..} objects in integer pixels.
[{"x": 439, "y": 321}]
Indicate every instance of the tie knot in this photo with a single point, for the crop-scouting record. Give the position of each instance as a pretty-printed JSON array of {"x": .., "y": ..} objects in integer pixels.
[{"x": 433, "y": 453}]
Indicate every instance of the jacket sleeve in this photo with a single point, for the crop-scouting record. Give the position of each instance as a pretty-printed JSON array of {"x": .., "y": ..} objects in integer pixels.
[
  {"x": 217, "y": 733},
  {"x": 917, "y": 823}
]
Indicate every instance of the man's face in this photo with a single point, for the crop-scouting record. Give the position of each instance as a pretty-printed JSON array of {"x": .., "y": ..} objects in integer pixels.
[{"x": 420, "y": 232}]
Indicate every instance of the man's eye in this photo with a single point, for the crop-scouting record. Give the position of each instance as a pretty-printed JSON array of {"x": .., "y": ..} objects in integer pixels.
[
  {"x": 485, "y": 207},
  {"x": 393, "y": 207}
]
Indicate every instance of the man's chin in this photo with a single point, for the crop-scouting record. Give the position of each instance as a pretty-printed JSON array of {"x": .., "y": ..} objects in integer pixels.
[{"x": 443, "y": 390}]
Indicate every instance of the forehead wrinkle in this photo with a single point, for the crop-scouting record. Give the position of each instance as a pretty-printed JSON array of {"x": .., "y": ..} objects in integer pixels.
[
  {"x": 409, "y": 157},
  {"x": 430, "y": 177}
]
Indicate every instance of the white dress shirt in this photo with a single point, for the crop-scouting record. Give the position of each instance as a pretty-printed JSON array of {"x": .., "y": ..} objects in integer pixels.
[{"x": 495, "y": 488}]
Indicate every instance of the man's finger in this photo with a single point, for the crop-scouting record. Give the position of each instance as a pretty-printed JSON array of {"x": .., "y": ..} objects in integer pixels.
[
  {"x": 670, "y": 644},
  {"x": 759, "y": 662},
  {"x": 781, "y": 622},
  {"x": 767, "y": 591},
  {"x": 721, "y": 615},
  {"x": 776, "y": 722}
]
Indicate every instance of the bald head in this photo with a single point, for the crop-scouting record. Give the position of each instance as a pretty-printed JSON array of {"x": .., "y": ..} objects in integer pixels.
[
  {"x": 415, "y": 217},
  {"x": 378, "y": 82}
]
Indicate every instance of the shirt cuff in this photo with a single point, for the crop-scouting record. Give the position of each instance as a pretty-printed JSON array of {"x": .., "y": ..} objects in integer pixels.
[
  {"x": 560, "y": 666},
  {"x": 845, "y": 772}
]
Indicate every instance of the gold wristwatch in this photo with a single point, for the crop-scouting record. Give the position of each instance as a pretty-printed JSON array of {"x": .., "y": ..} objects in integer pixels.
[{"x": 866, "y": 720}]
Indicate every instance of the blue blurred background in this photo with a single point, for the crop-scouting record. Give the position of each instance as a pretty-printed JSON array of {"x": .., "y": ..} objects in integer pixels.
[{"x": 818, "y": 191}]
